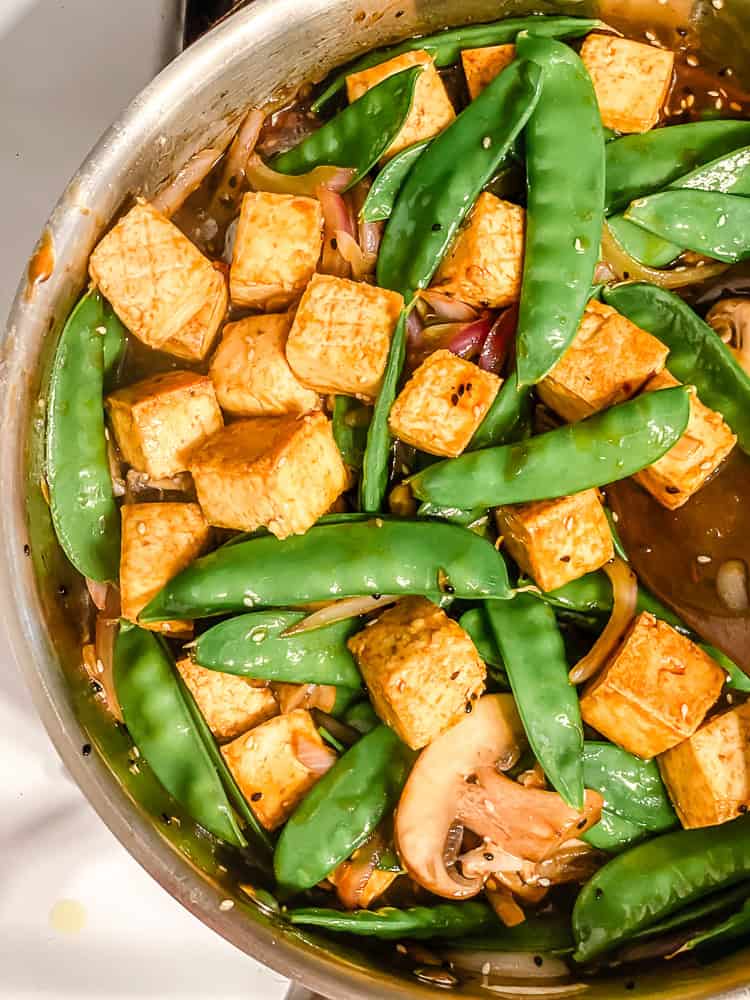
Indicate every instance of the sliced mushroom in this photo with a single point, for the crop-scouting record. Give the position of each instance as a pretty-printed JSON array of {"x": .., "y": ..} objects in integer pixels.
[
  {"x": 455, "y": 784},
  {"x": 731, "y": 320}
]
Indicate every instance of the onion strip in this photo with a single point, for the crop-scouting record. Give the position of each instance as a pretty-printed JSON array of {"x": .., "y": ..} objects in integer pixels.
[
  {"x": 189, "y": 178},
  {"x": 446, "y": 309},
  {"x": 625, "y": 596},
  {"x": 626, "y": 268},
  {"x": 230, "y": 184},
  {"x": 261, "y": 177},
  {"x": 315, "y": 758},
  {"x": 349, "y": 607}
]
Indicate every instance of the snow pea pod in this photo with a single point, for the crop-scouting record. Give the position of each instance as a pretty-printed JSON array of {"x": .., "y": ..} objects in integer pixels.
[
  {"x": 361, "y": 717},
  {"x": 735, "y": 926},
  {"x": 737, "y": 679},
  {"x": 601, "y": 449},
  {"x": 445, "y": 46},
  {"x": 84, "y": 513},
  {"x": 714, "y": 903},
  {"x": 632, "y": 788},
  {"x": 440, "y": 191},
  {"x": 533, "y": 654},
  {"x": 342, "y": 809},
  {"x": 655, "y": 879},
  {"x": 378, "y": 556},
  {"x": 548, "y": 935},
  {"x": 565, "y": 206},
  {"x": 507, "y": 419},
  {"x": 254, "y": 646},
  {"x": 163, "y": 730},
  {"x": 696, "y": 354},
  {"x": 359, "y": 135},
  {"x": 349, "y": 430},
  {"x": 614, "y": 834},
  {"x": 466, "y": 518},
  {"x": 389, "y": 923},
  {"x": 474, "y": 622},
  {"x": 386, "y": 186}
]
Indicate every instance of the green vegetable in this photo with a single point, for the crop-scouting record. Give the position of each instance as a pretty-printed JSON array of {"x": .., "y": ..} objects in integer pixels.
[
  {"x": 592, "y": 594},
  {"x": 533, "y": 653},
  {"x": 474, "y": 622},
  {"x": 84, "y": 513},
  {"x": 342, "y": 810},
  {"x": 254, "y": 646},
  {"x": 696, "y": 354},
  {"x": 735, "y": 926},
  {"x": 601, "y": 449},
  {"x": 389, "y": 923},
  {"x": 386, "y": 186},
  {"x": 653, "y": 880},
  {"x": 738, "y": 680},
  {"x": 507, "y": 419},
  {"x": 632, "y": 788},
  {"x": 378, "y": 556},
  {"x": 349, "y": 430},
  {"x": 565, "y": 207},
  {"x": 441, "y": 190},
  {"x": 466, "y": 518},
  {"x": 705, "y": 908},
  {"x": 445, "y": 47},
  {"x": 359, "y": 135},
  {"x": 642, "y": 245},
  {"x": 614, "y": 834},
  {"x": 162, "y": 728},
  {"x": 548, "y": 935},
  {"x": 361, "y": 717}
]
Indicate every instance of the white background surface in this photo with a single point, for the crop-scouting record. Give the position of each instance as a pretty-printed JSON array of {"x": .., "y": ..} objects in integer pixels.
[{"x": 67, "y": 68}]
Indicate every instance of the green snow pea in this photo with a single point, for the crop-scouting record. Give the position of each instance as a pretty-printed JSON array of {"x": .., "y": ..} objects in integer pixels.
[
  {"x": 389, "y": 923},
  {"x": 84, "y": 513},
  {"x": 737, "y": 680},
  {"x": 614, "y": 834},
  {"x": 641, "y": 245},
  {"x": 632, "y": 788},
  {"x": 254, "y": 646},
  {"x": 653, "y": 880},
  {"x": 163, "y": 730},
  {"x": 638, "y": 165},
  {"x": 533, "y": 654},
  {"x": 507, "y": 419},
  {"x": 386, "y": 186},
  {"x": 474, "y": 622},
  {"x": 440, "y": 191},
  {"x": 548, "y": 935},
  {"x": 707, "y": 222},
  {"x": 466, "y": 518},
  {"x": 342, "y": 809},
  {"x": 378, "y": 556},
  {"x": 696, "y": 354},
  {"x": 565, "y": 207},
  {"x": 359, "y": 135},
  {"x": 705, "y": 908},
  {"x": 445, "y": 46},
  {"x": 349, "y": 429},
  {"x": 601, "y": 449},
  {"x": 361, "y": 717},
  {"x": 735, "y": 926}
]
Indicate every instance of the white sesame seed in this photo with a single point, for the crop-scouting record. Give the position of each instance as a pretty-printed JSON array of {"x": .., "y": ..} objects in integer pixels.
[
  {"x": 684, "y": 711},
  {"x": 703, "y": 559},
  {"x": 717, "y": 4},
  {"x": 692, "y": 60},
  {"x": 226, "y": 904},
  {"x": 486, "y": 142},
  {"x": 718, "y": 104},
  {"x": 486, "y": 968},
  {"x": 141, "y": 528}
]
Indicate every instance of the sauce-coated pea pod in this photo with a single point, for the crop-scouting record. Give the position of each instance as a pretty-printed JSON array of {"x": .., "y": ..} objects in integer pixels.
[
  {"x": 655, "y": 879},
  {"x": 361, "y": 717},
  {"x": 359, "y": 135},
  {"x": 614, "y": 834},
  {"x": 565, "y": 206},
  {"x": 377, "y": 556},
  {"x": 254, "y": 646},
  {"x": 547, "y": 935},
  {"x": 507, "y": 419},
  {"x": 445, "y": 46},
  {"x": 601, "y": 449},
  {"x": 715, "y": 903},
  {"x": 162, "y": 728},
  {"x": 83, "y": 508},
  {"x": 386, "y": 186},
  {"x": 349, "y": 423},
  {"x": 533, "y": 654},
  {"x": 342, "y": 809},
  {"x": 737, "y": 925},
  {"x": 696, "y": 354},
  {"x": 389, "y": 923},
  {"x": 631, "y": 787}
]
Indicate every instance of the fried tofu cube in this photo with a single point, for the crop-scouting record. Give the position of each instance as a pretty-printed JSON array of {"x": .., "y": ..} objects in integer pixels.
[
  {"x": 654, "y": 692},
  {"x": 160, "y": 285},
  {"x": 431, "y": 109},
  {"x": 609, "y": 360},
  {"x": 251, "y": 374},
  {"x": 279, "y": 239},
  {"x": 631, "y": 80},
  {"x": 158, "y": 540},
  {"x": 481, "y": 66},
  {"x": 266, "y": 765},
  {"x": 279, "y": 472},
  {"x": 230, "y": 704},
  {"x": 708, "y": 775},
  {"x": 442, "y": 404},
  {"x": 421, "y": 669},
  {"x": 485, "y": 264},
  {"x": 159, "y": 422},
  {"x": 556, "y": 541},
  {"x": 341, "y": 335},
  {"x": 690, "y": 463}
]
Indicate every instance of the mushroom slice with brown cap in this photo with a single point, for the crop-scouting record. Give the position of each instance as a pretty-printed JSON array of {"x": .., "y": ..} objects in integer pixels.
[
  {"x": 731, "y": 320},
  {"x": 455, "y": 785}
]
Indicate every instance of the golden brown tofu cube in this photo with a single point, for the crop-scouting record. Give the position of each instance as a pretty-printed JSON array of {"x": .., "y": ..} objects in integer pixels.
[
  {"x": 251, "y": 374},
  {"x": 556, "y": 541},
  {"x": 654, "y": 692},
  {"x": 442, "y": 404},
  {"x": 230, "y": 705},
  {"x": 631, "y": 80},
  {"x": 693, "y": 460},
  {"x": 708, "y": 775},
  {"x": 431, "y": 109},
  {"x": 265, "y": 765},
  {"x": 195, "y": 340},
  {"x": 481, "y": 66},
  {"x": 485, "y": 264},
  {"x": 158, "y": 423},
  {"x": 421, "y": 669},
  {"x": 609, "y": 360},
  {"x": 281, "y": 472},
  {"x": 157, "y": 281},
  {"x": 341, "y": 335},
  {"x": 279, "y": 239},
  {"x": 158, "y": 541}
]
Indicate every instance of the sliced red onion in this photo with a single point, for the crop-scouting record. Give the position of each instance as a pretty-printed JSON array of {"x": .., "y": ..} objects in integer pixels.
[
  {"x": 448, "y": 310},
  {"x": 261, "y": 177},
  {"x": 347, "y": 607},
  {"x": 230, "y": 185},
  {"x": 97, "y": 592},
  {"x": 362, "y": 264},
  {"x": 498, "y": 342},
  {"x": 624, "y": 600},
  {"x": 314, "y": 757},
  {"x": 188, "y": 179},
  {"x": 337, "y": 219},
  {"x": 468, "y": 341}
]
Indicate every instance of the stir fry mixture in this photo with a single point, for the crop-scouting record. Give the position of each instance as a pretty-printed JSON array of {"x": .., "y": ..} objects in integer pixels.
[{"x": 346, "y": 437}]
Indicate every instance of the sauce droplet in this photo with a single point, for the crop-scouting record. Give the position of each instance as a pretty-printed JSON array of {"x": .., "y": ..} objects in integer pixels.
[{"x": 42, "y": 264}]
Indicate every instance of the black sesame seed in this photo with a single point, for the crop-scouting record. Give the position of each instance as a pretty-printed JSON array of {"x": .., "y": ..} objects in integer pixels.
[
  {"x": 471, "y": 779},
  {"x": 488, "y": 857},
  {"x": 564, "y": 558},
  {"x": 469, "y": 707},
  {"x": 581, "y": 823},
  {"x": 742, "y": 809},
  {"x": 96, "y": 687},
  {"x": 672, "y": 489},
  {"x": 538, "y": 961},
  {"x": 62, "y": 590},
  {"x": 166, "y": 819},
  {"x": 468, "y": 386},
  {"x": 256, "y": 796},
  {"x": 27, "y": 550},
  {"x": 233, "y": 181},
  {"x": 334, "y": 243},
  {"x": 461, "y": 390},
  {"x": 682, "y": 32},
  {"x": 436, "y": 227},
  {"x": 449, "y": 589},
  {"x": 399, "y": 13},
  {"x": 454, "y": 399},
  {"x": 598, "y": 893},
  {"x": 86, "y": 749},
  {"x": 376, "y": 597},
  {"x": 630, "y": 985}
]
